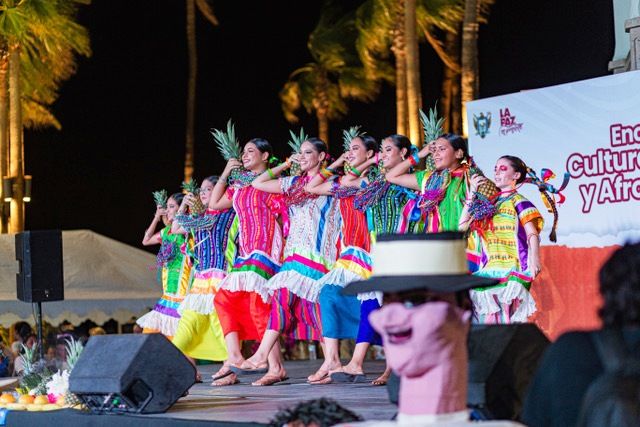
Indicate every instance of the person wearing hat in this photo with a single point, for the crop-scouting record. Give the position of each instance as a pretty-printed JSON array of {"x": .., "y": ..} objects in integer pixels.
[{"x": 424, "y": 322}]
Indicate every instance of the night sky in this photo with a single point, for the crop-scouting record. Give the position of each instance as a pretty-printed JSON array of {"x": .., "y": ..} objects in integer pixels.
[{"x": 123, "y": 113}]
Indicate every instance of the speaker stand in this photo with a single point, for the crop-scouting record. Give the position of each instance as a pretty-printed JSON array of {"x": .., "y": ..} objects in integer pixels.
[{"x": 39, "y": 329}]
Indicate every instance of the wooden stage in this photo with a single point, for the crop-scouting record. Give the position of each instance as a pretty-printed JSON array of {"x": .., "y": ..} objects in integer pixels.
[{"x": 243, "y": 403}]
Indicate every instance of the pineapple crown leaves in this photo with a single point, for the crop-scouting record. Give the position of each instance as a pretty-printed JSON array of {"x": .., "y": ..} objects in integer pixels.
[
  {"x": 74, "y": 349},
  {"x": 227, "y": 142},
  {"x": 191, "y": 187},
  {"x": 296, "y": 140},
  {"x": 28, "y": 357},
  {"x": 350, "y": 134},
  {"x": 160, "y": 197},
  {"x": 432, "y": 124}
]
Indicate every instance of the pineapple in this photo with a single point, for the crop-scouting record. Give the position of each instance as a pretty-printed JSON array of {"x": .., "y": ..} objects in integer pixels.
[
  {"x": 74, "y": 349},
  {"x": 192, "y": 187},
  {"x": 432, "y": 126},
  {"x": 347, "y": 136},
  {"x": 295, "y": 143},
  {"x": 160, "y": 197},
  {"x": 227, "y": 142}
]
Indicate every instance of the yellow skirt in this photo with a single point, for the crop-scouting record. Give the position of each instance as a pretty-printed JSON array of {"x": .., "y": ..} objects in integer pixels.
[{"x": 200, "y": 336}]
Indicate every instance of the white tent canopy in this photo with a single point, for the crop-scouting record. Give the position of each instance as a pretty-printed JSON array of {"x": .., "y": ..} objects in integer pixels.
[{"x": 103, "y": 279}]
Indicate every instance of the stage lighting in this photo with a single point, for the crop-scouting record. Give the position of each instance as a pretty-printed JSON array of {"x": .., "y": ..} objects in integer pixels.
[
  {"x": 7, "y": 188},
  {"x": 27, "y": 188}
]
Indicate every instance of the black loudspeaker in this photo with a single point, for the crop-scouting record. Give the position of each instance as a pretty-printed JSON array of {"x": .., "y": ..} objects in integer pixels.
[
  {"x": 139, "y": 373},
  {"x": 40, "y": 277},
  {"x": 502, "y": 362}
]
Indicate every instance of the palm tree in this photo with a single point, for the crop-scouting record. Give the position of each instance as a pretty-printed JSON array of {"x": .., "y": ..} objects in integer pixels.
[
  {"x": 204, "y": 8},
  {"x": 39, "y": 40},
  {"x": 470, "y": 83},
  {"x": 336, "y": 73}
]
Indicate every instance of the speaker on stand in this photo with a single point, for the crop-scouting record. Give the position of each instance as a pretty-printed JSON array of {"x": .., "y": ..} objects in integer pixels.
[{"x": 40, "y": 277}]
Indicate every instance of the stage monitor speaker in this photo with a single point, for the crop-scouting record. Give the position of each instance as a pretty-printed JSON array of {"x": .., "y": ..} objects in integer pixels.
[
  {"x": 132, "y": 373},
  {"x": 40, "y": 277},
  {"x": 502, "y": 362}
]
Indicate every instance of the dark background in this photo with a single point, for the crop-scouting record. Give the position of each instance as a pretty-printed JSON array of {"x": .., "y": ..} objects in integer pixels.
[{"x": 123, "y": 113}]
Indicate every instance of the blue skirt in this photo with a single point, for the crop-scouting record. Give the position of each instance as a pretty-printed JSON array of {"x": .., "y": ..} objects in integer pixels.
[
  {"x": 340, "y": 314},
  {"x": 365, "y": 332}
]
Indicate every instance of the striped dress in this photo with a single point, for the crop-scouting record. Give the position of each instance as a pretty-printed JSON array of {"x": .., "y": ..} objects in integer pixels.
[
  {"x": 341, "y": 314},
  {"x": 310, "y": 252},
  {"x": 174, "y": 274},
  {"x": 199, "y": 333},
  {"x": 242, "y": 301},
  {"x": 505, "y": 256}
]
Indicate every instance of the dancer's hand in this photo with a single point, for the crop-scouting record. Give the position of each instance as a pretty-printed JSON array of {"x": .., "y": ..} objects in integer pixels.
[
  {"x": 536, "y": 266},
  {"x": 231, "y": 165},
  {"x": 160, "y": 212},
  {"x": 189, "y": 199},
  {"x": 476, "y": 181}
]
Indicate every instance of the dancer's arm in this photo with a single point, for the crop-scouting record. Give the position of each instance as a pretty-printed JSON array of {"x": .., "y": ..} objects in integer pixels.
[
  {"x": 268, "y": 181},
  {"x": 465, "y": 218},
  {"x": 321, "y": 182},
  {"x": 219, "y": 200},
  {"x": 187, "y": 202},
  {"x": 533, "y": 240},
  {"x": 151, "y": 237},
  {"x": 400, "y": 175}
]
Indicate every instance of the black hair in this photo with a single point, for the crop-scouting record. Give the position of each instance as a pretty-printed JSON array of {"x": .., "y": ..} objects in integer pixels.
[
  {"x": 319, "y": 145},
  {"x": 620, "y": 288},
  {"x": 212, "y": 179},
  {"x": 400, "y": 141},
  {"x": 321, "y": 412},
  {"x": 22, "y": 330},
  {"x": 369, "y": 143},
  {"x": 518, "y": 165},
  {"x": 458, "y": 143},
  {"x": 177, "y": 197}
]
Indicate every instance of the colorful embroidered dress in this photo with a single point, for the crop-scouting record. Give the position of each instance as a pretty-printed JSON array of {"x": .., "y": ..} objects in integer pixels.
[
  {"x": 505, "y": 256},
  {"x": 442, "y": 196},
  {"x": 341, "y": 314},
  {"x": 243, "y": 298},
  {"x": 390, "y": 209},
  {"x": 310, "y": 252},
  {"x": 174, "y": 273},
  {"x": 199, "y": 333}
]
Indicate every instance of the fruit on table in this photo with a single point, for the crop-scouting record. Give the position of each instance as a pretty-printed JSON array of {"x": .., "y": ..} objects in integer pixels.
[
  {"x": 26, "y": 398},
  {"x": 41, "y": 400},
  {"x": 7, "y": 398}
]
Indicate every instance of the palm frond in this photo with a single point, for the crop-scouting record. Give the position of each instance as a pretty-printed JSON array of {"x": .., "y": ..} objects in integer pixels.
[{"x": 205, "y": 8}]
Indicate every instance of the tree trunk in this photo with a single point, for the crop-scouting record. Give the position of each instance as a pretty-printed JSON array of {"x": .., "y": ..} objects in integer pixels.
[
  {"x": 191, "y": 90},
  {"x": 414, "y": 96},
  {"x": 321, "y": 105},
  {"x": 399, "y": 52},
  {"x": 4, "y": 135},
  {"x": 323, "y": 126},
  {"x": 450, "y": 100},
  {"x": 16, "y": 224},
  {"x": 469, "y": 78}
]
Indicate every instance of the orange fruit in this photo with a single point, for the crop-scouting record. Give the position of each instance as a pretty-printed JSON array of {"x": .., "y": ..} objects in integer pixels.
[
  {"x": 26, "y": 399},
  {"x": 41, "y": 400},
  {"x": 7, "y": 398}
]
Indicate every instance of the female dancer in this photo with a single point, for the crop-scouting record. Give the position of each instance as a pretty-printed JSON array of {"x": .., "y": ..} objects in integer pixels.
[
  {"x": 242, "y": 301},
  {"x": 341, "y": 314},
  {"x": 199, "y": 334},
  {"x": 510, "y": 249},
  {"x": 175, "y": 271},
  {"x": 443, "y": 190},
  {"x": 309, "y": 253},
  {"x": 390, "y": 209}
]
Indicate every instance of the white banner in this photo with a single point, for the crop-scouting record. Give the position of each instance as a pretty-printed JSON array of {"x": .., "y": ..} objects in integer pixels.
[{"x": 590, "y": 129}]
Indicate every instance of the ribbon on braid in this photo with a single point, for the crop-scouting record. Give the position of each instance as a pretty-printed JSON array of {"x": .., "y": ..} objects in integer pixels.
[{"x": 548, "y": 192}]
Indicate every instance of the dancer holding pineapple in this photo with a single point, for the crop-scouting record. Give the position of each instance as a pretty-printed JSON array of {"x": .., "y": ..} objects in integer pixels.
[
  {"x": 341, "y": 314},
  {"x": 174, "y": 268},
  {"x": 242, "y": 301},
  {"x": 309, "y": 253},
  {"x": 199, "y": 333}
]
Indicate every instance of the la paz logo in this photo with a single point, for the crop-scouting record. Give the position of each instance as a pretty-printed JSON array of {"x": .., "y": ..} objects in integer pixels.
[
  {"x": 482, "y": 124},
  {"x": 508, "y": 122}
]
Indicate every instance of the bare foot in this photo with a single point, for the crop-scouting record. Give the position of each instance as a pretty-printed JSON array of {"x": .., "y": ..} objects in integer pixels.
[
  {"x": 230, "y": 379},
  {"x": 271, "y": 378},
  {"x": 324, "y": 371},
  {"x": 382, "y": 379}
]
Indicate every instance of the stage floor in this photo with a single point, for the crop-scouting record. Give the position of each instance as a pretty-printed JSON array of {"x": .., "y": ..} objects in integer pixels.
[{"x": 246, "y": 403}]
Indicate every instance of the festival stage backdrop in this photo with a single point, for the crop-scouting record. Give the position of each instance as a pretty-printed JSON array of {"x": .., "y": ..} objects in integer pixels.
[{"x": 590, "y": 130}]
